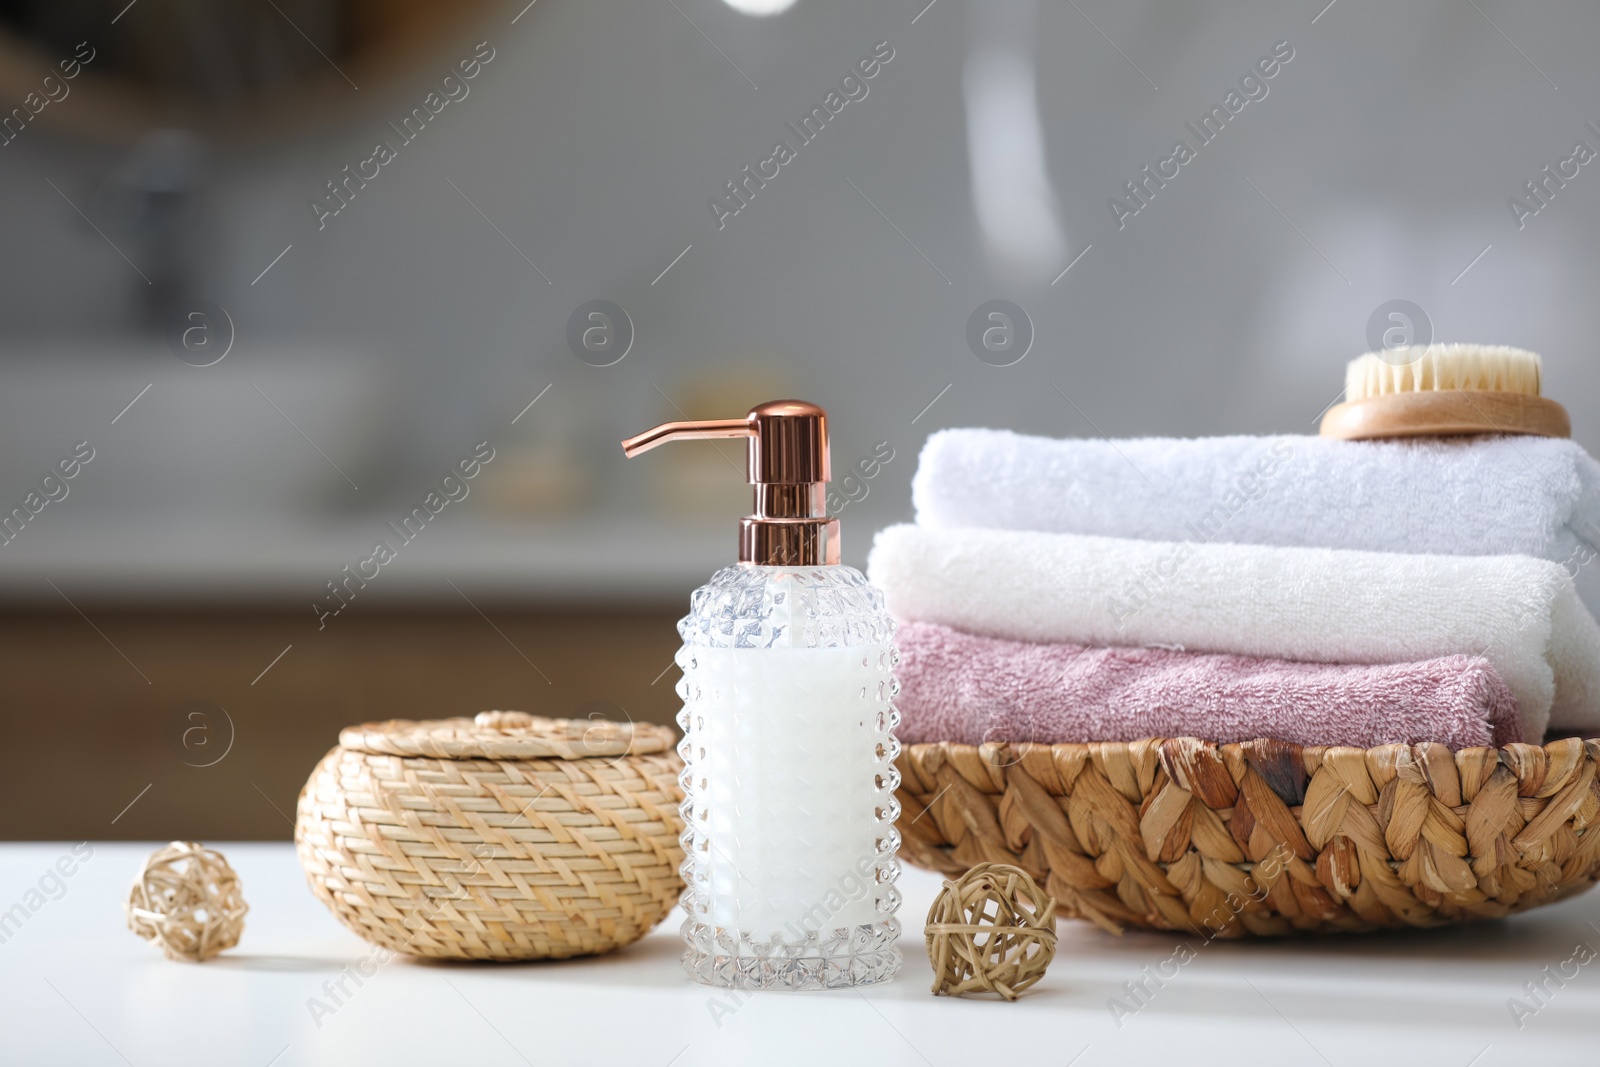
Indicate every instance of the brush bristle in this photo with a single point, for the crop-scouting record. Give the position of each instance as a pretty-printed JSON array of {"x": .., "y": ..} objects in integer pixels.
[{"x": 1425, "y": 368}]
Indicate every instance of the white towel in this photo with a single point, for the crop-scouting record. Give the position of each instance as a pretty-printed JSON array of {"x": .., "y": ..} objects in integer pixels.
[
  {"x": 1483, "y": 496},
  {"x": 1310, "y": 604}
]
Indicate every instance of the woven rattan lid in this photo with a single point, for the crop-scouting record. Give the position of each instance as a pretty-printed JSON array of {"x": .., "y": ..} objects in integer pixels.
[{"x": 506, "y": 735}]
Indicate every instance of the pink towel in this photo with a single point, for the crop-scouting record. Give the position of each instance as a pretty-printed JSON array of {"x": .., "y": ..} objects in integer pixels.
[{"x": 960, "y": 687}]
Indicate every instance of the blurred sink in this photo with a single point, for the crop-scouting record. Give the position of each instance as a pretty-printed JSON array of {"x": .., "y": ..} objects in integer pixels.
[
  {"x": 262, "y": 431},
  {"x": 236, "y": 483}
]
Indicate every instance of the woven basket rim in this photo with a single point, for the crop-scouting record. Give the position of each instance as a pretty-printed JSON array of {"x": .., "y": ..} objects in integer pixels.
[
  {"x": 1257, "y": 743},
  {"x": 506, "y": 735},
  {"x": 1179, "y": 756}
]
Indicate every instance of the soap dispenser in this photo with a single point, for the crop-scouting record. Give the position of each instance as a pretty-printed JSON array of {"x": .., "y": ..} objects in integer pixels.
[{"x": 788, "y": 734}]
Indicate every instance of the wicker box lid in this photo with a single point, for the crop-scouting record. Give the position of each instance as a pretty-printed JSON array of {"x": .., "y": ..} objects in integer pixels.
[{"x": 504, "y": 735}]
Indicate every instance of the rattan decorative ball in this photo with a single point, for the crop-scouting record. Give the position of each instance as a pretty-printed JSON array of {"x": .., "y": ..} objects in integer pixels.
[
  {"x": 990, "y": 931},
  {"x": 187, "y": 900}
]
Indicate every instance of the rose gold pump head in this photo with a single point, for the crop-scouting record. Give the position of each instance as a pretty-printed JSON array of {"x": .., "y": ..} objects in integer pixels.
[{"x": 788, "y": 463}]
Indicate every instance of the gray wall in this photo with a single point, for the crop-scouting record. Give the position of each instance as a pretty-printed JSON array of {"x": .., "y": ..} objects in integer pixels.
[{"x": 1382, "y": 158}]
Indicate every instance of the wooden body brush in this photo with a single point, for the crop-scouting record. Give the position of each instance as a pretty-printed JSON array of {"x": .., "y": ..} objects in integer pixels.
[{"x": 1445, "y": 390}]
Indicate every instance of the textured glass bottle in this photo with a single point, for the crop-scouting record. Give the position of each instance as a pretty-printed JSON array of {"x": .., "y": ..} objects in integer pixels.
[{"x": 788, "y": 747}]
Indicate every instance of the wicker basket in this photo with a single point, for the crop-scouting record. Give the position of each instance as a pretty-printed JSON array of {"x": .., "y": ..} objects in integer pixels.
[
  {"x": 1263, "y": 838},
  {"x": 505, "y": 837}
]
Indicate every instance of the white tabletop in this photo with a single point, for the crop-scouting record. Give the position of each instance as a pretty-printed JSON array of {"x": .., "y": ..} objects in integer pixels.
[{"x": 77, "y": 988}]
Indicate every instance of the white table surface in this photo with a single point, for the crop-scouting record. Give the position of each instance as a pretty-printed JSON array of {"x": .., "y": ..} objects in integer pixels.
[{"x": 77, "y": 988}]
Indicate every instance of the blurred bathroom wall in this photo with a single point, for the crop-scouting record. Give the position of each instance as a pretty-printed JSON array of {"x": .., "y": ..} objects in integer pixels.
[
  {"x": 581, "y": 165},
  {"x": 278, "y": 338}
]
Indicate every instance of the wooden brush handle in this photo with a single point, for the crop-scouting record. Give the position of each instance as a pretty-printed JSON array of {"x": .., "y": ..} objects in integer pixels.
[{"x": 1444, "y": 414}]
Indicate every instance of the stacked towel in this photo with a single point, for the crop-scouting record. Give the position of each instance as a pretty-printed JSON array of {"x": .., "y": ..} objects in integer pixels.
[
  {"x": 960, "y": 687},
  {"x": 1485, "y": 496},
  {"x": 1301, "y": 604}
]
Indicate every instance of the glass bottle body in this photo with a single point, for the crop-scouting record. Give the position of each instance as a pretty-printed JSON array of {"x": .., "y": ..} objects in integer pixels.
[{"x": 788, "y": 721}]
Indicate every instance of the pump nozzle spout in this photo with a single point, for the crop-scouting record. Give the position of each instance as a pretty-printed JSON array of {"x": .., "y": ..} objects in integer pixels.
[
  {"x": 687, "y": 431},
  {"x": 787, "y": 461}
]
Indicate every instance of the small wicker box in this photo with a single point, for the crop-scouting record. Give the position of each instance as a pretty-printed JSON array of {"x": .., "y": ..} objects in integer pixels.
[
  {"x": 505, "y": 837},
  {"x": 1263, "y": 838}
]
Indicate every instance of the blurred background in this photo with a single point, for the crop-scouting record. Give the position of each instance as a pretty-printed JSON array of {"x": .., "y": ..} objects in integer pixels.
[{"x": 282, "y": 267}]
